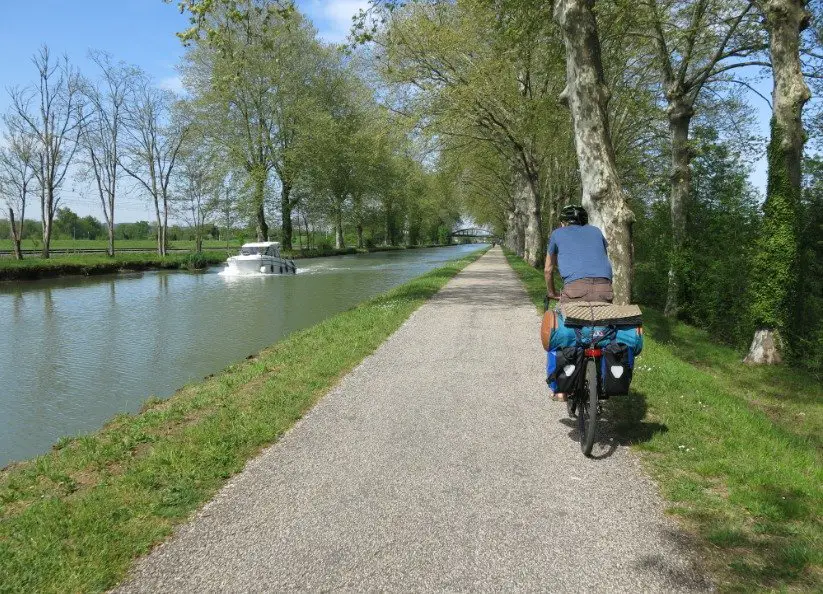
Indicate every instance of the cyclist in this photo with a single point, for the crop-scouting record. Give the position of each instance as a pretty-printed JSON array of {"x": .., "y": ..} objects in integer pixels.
[{"x": 579, "y": 251}]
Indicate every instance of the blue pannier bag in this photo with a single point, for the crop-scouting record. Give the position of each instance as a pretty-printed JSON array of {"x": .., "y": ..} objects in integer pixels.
[
  {"x": 562, "y": 336},
  {"x": 632, "y": 337},
  {"x": 566, "y": 336}
]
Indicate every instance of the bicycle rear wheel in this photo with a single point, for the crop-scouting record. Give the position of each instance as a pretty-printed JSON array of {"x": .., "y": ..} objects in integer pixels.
[{"x": 587, "y": 409}]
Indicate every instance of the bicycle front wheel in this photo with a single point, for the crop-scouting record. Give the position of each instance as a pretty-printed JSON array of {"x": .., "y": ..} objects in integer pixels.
[{"x": 587, "y": 409}]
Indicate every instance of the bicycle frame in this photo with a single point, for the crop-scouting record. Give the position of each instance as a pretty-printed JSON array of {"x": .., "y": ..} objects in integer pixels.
[{"x": 589, "y": 354}]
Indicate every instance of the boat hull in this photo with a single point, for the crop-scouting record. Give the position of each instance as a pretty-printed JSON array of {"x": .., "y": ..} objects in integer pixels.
[{"x": 256, "y": 265}]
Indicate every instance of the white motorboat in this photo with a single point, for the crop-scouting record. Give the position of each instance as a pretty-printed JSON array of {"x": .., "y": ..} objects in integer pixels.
[{"x": 260, "y": 258}]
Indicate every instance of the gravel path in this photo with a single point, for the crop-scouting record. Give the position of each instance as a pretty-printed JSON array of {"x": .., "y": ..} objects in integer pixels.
[{"x": 437, "y": 464}]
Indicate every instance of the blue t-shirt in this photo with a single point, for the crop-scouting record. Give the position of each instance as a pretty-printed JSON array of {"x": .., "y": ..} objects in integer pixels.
[{"x": 581, "y": 252}]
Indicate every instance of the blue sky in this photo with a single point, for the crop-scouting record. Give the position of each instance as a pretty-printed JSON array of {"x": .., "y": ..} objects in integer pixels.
[{"x": 142, "y": 32}]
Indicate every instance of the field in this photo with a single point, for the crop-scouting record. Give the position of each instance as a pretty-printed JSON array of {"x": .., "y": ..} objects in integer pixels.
[{"x": 84, "y": 244}]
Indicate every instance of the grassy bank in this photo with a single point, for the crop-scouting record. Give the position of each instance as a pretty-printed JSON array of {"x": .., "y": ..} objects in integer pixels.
[
  {"x": 37, "y": 268},
  {"x": 74, "y": 519},
  {"x": 736, "y": 451}
]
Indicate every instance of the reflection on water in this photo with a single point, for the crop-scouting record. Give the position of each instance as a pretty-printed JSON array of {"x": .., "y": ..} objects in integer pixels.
[{"x": 76, "y": 351}]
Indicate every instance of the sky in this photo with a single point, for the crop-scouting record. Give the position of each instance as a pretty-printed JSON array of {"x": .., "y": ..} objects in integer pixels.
[{"x": 142, "y": 32}]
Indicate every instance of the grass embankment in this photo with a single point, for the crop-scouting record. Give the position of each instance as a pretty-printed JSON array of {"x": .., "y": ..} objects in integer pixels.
[
  {"x": 74, "y": 519},
  {"x": 36, "y": 268},
  {"x": 736, "y": 451}
]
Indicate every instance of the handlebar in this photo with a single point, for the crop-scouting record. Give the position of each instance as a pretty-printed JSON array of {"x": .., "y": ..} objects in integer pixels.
[{"x": 546, "y": 301}]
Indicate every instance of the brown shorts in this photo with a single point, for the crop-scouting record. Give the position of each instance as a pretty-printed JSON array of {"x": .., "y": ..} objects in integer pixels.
[{"x": 588, "y": 289}]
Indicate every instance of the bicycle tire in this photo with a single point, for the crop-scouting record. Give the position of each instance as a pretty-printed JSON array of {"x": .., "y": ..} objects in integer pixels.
[{"x": 587, "y": 409}]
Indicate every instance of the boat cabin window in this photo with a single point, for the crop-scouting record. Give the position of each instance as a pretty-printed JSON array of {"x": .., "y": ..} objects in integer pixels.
[{"x": 271, "y": 250}]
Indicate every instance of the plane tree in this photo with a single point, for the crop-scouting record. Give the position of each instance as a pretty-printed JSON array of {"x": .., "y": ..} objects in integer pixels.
[
  {"x": 775, "y": 272},
  {"x": 252, "y": 71},
  {"x": 102, "y": 134},
  {"x": 17, "y": 180},
  {"x": 50, "y": 113}
]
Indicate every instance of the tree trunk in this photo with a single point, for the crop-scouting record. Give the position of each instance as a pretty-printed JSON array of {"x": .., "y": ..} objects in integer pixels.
[
  {"x": 47, "y": 220},
  {"x": 47, "y": 229},
  {"x": 339, "y": 241},
  {"x": 285, "y": 211},
  {"x": 774, "y": 277},
  {"x": 357, "y": 209},
  {"x": 159, "y": 226},
  {"x": 262, "y": 226},
  {"x": 765, "y": 348},
  {"x": 259, "y": 201},
  {"x": 110, "y": 228},
  {"x": 110, "y": 249},
  {"x": 165, "y": 224},
  {"x": 387, "y": 239},
  {"x": 516, "y": 230},
  {"x": 587, "y": 97},
  {"x": 680, "y": 116},
  {"x": 16, "y": 235},
  {"x": 534, "y": 250},
  {"x": 155, "y": 194}
]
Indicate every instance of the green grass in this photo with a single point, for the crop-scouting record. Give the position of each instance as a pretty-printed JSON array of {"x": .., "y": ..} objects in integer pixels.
[
  {"x": 736, "y": 451},
  {"x": 75, "y": 519},
  {"x": 147, "y": 244},
  {"x": 34, "y": 268}
]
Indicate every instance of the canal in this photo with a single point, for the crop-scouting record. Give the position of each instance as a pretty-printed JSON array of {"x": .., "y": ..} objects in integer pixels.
[{"x": 76, "y": 351}]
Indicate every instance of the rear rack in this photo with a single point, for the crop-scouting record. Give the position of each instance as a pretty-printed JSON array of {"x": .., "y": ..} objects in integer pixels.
[{"x": 586, "y": 313}]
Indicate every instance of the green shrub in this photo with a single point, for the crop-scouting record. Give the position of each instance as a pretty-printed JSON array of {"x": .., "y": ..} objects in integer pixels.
[{"x": 197, "y": 261}]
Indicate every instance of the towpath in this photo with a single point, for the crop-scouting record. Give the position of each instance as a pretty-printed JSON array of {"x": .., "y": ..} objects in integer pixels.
[{"x": 437, "y": 464}]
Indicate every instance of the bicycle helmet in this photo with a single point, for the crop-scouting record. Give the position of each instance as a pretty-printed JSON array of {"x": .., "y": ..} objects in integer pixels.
[{"x": 574, "y": 214}]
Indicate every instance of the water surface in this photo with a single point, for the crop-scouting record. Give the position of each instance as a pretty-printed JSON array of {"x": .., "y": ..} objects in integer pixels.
[{"x": 76, "y": 351}]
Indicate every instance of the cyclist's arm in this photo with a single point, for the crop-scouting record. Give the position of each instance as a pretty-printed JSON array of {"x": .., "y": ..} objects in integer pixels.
[{"x": 548, "y": 273}]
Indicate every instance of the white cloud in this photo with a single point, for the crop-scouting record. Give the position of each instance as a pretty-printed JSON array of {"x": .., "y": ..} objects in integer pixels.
[{"x": 333, "y": 17}]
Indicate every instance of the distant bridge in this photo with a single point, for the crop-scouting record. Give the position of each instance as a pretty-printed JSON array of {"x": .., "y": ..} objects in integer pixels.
[{"x": 474, "y": 232}]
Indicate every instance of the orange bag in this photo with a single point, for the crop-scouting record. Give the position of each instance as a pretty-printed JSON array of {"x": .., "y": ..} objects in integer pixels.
[{"x": 547, "y": 327}]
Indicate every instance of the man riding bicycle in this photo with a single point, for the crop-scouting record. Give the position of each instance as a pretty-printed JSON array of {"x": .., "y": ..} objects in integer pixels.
[{"x": 579, "y": 251}]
